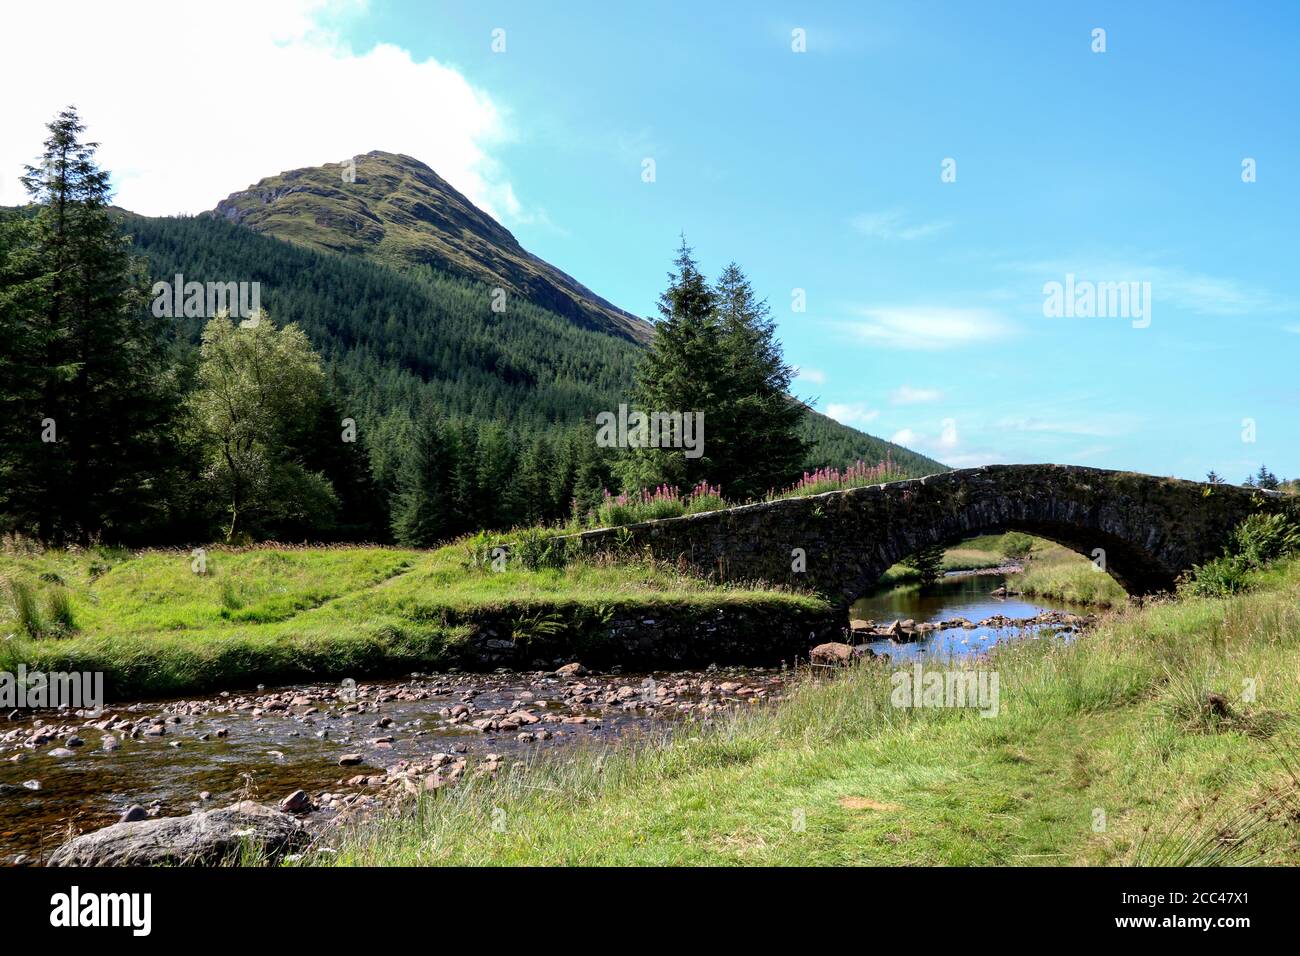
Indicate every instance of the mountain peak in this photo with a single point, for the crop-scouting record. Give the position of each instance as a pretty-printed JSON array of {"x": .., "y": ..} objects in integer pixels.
[{"x": 396, "y": 209}]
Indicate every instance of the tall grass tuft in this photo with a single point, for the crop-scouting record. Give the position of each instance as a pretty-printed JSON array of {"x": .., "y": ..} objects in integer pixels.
[
  {"x": 1235, "y": 836},
  {"x": 26, "y": 609},
  {"x": 59, "y": 617}
]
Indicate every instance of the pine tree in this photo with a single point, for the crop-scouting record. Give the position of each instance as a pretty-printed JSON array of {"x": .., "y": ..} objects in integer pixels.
[
  {"x": 761, "y": 420},
  {"x": 498, "y": 497},
  {"x": 681, "y": 373},
  {"x": 534, "y": 484},
  {"x": 927, "y": 563},
  {"x": 1266, "y": 479},
  {"x": 84, "y": 366},
  {"x": 715, "y": 352},
  {"x": 422, "y": 512},
  {"x": 335, "y": 451}
]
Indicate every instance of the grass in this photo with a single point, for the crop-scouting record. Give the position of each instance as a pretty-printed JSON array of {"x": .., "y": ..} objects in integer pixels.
[
  {"x": 154, "y": 626},
  {"x": 1165, "y": 736},
  {"x": 1051, "y": 571},
  {"x": 1059, "y": 574},
  {"x": 983, "y": 552}
]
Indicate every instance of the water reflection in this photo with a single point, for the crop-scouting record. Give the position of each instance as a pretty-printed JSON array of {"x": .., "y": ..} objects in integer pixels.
[{"x": 968, "y": 596}]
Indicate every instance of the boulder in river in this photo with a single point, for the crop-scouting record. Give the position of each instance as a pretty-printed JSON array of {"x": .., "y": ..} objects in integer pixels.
[
  {"x": 831, "y": 653},
  {"x": 208, "y": 837},
  {"x": 296, "y": 802},
  {"x": 573, "y": 669}
]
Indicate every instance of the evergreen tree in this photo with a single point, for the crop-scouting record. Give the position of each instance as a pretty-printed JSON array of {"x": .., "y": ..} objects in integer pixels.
[
  {"x": 467, "y": 503},
  {"x": 421, "y": 512},
  {"x": 335, "y": 450},
  {"x": 1265, "y": 479},
  {"x": 497, "y": 494},
  {"x": 534, "y": 485},
  {"x": 716, "y": 352},
  {"x": 84, "y": 376},
  {"x": 387, "y": 445},
  {"x": 681, "y": 373},
  {"x": 760, "y": 420},
  {"x": 928, "y": 563}
]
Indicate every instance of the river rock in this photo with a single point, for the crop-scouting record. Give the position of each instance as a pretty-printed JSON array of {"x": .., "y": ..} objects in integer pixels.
[
  {"x": 831, "y": 653},
  {"x": 296, "y": 802},
  {"x": 573, "y": 669},
  {"x": 208, "y": 837},
  {"x": 133, "y": 813}
]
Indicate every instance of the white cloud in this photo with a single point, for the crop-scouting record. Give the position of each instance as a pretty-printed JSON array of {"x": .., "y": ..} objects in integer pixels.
[
  {"x": 814, "y": 375},
  {"x": 948, "y": 433},
  {"x": 192, "y": 102},
  {"x": 1185, "y": 289},
  {"x": 946, "y": 446},
  {"x": 851, "y": 414},
  {"x": 1102, "y": 426},
  {"x": 908, "y": 395},
  {"x": 928, "y": 327},
  {"x": 946, "y": 440},
  {"x": 892, "y": 225}
]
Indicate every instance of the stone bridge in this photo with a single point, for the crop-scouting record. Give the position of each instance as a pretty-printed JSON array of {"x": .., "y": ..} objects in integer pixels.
[{"x": 1148, "y": 529}]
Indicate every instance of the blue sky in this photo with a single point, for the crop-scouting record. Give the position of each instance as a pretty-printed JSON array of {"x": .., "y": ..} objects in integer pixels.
[
  {"x": 821, "y": 171},
  {"x": 924, "y": 317}
]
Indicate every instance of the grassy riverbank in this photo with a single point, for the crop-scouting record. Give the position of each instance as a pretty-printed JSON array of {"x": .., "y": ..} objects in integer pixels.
[
  {"x": 975, "y": 554},
  {"x": 267, "y": 615},
  {"x": 1059, "y": 574},
  {"x": 1109, "y": 750},
  {"x": 1050, "y": 570}
]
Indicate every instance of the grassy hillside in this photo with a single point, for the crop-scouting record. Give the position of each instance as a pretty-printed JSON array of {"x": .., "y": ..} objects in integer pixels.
[
  {"x": 397, "y": 339},
  {"x": 154, "y": 626},
  {"x": 1138, "y": 743},
  {"x": 396, "y": 210}
]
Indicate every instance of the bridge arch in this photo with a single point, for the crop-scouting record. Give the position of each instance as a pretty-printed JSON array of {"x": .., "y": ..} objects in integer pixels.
[
  {"x": 1101, "y": 554},
  {"x": 1151, "y": 529}
]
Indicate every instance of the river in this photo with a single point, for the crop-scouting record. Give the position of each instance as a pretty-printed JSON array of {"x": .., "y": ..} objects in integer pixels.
[
  {"x": 967, "y": 596},
  {"x": 60, "y": 773}
]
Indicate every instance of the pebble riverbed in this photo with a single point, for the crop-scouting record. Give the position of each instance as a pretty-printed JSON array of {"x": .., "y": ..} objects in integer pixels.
[{"x": 327, "y": 752}]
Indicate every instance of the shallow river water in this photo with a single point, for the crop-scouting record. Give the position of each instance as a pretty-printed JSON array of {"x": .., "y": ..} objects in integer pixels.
[
  {"x": 61, "y": 773},
  {"x": 167, "y": 754},
  {"x": 968, "y": 596}
]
